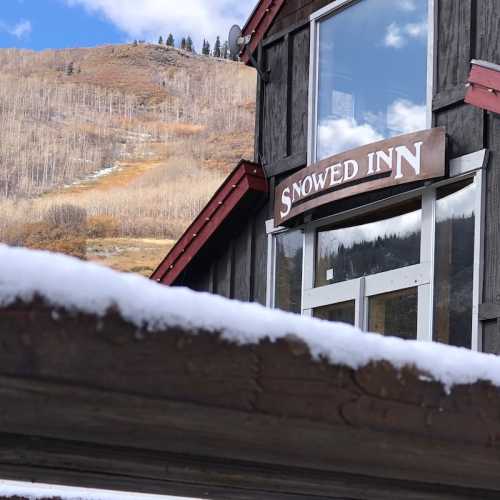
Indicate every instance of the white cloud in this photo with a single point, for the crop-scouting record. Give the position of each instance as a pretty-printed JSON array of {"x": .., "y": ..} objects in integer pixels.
[
  {"x": 416, "y": 30},
  {"x": 337, "y": 135},
  {"x": 404, "y": 116},
  {"x": 400, "y": 227},
  {"x": 147, "y": 19},
  {"x": 397, "y": 36},
  {"x": 408, "y": 5},
  {"x": 394, "y": 37},
  {"x": 20, "y": 30}
]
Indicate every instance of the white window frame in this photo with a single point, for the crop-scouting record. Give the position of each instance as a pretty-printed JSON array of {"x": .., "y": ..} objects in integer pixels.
[
  {"x": 317, "y": 17},
  {"x": 420, "y": 275}
]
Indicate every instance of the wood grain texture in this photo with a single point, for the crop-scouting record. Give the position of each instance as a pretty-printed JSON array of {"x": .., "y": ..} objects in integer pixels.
[
  {"x": 299, "y": 92},
  {"x": 464, "y": 126},
  {"x": 454, "y": 48},
  {"x": 99, "y": 402},
  {"x": 242, "y": 270},
  {"x": 491, "y": 284},
  {"x": 127, "y": 469},
  {"x": 259, "y": 254},
  {"x": 488, "y": 34},
  {"x": 275, "y": 104},
  {"x": 224, "y": 270},
  {"x": 488, "y": 49}
]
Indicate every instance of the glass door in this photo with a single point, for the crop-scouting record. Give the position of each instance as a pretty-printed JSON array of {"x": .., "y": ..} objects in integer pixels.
[{"x": 369, "y": 272}]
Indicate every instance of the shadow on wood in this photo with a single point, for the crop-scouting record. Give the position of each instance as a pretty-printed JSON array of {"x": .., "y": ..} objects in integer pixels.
[{"x": 98, "y": 402}]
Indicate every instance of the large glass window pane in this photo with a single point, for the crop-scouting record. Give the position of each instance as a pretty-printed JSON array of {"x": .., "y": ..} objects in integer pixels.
[
  {"x": 372, "y": 74},
  {"x": 380, "y": 242},
  {"x": 454, "y": 268},
  {"x": 288, "y": 277},
  {"x": 343, "y": 312},
  {"x": 394, "y": 313}
]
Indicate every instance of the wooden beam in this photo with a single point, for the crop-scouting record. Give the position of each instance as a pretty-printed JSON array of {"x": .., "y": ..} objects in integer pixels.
[{"x": 96, "y": 401}]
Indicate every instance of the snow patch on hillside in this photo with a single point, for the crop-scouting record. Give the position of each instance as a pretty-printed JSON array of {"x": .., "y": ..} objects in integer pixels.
[{"x": 75, "y": 285}]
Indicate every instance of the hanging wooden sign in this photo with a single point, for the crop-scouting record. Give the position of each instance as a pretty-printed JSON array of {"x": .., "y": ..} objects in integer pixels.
[{"x": 399, "y": 160}]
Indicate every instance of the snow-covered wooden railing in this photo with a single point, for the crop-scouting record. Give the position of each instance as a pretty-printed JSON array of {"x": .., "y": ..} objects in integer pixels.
[{"x": 113, "y": 381}]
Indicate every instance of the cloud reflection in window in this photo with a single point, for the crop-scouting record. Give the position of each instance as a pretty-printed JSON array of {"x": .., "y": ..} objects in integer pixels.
[{"x": 367, "y": 90}]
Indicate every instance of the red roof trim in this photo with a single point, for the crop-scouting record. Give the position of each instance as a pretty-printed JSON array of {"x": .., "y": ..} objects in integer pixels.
[
  {"x": 245, "y": 177},
  {"x": 484, "y": 86},
  {"x": 258, "y": 24}
]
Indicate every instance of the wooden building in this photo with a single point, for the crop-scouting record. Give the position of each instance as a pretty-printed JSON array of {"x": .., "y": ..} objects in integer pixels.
[{"x": 374, "y": 192}]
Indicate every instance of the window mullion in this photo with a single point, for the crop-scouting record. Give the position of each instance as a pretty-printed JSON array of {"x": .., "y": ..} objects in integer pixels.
[
  {"x": 476, "y": 340},
  {"x": 427, "y": 252},
  {"x": 360, "y": 316},
  {"x": 271, "y": 267},
  {"x": 308, "y": 260}
]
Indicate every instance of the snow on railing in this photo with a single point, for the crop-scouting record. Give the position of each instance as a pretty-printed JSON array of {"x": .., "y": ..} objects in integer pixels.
[{"x": 68, "y": 283}]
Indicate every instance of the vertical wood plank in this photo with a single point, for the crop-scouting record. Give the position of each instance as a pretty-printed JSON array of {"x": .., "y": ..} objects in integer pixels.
[
  {"x": 275, "y": 105},
  {"x": 259, "y": 256},
  {"x": 259, "y": 105},
  {"x": 453, "y": 42},
  {"x": 242, "y": 263},
  {"x": 488, "y": 31},
  {"x": 287, "y": 51},
  {"x": 465, "y": 128},
  {"x": 223, "y": 272},
  {"x": 488, "y": 48},
  {"x": 491, "y": 280},
  {"x": 299, "y": 92}
]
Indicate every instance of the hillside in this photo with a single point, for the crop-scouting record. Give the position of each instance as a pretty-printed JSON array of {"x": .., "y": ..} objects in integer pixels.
[{"x": 105, "y": 143}]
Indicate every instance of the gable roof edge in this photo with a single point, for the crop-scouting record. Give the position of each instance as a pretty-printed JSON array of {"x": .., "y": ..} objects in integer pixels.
[{"x": 257, "y": 25}]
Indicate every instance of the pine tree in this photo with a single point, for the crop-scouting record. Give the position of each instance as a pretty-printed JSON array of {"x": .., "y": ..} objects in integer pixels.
[
  {"x": 183, "y": 44},
  {"x": 216, "y": 52},
  {"x": 170, "y": 40},
  {"x": 160, "y": 40},
  {"x": 205, "y": 48},
  {"x": 189, "y": 44},
  {"x": 225, "y": 50}
]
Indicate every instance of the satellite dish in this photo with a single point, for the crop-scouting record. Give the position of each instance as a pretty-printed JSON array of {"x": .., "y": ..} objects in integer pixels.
[{"x": 236, "y": 41}]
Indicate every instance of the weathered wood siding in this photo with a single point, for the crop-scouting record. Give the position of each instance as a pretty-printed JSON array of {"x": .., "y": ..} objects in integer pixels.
[
  {"x": 281, "y": 139},
  {"x": 470, "y": 29},
  {"x": 236, "y": 267},
  {"x": 487, "y": 42}
]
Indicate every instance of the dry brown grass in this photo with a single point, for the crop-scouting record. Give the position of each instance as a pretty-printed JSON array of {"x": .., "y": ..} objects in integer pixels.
[
  {"x": 172, "y": 124},
  {"x": 138, "y": 255}
]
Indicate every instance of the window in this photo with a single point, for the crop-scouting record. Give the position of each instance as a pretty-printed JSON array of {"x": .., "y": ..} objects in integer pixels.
[
  {"x": 406, "y": 266},
  {"x": 288, "y": 272},
  {"x": 382, "y": 241},
  {"x": 454, "y": 264},
  {"x": 369, "y": 73}
]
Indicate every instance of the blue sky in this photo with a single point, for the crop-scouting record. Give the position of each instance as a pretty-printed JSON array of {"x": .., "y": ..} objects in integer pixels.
[{"x": 41, "y": 24}]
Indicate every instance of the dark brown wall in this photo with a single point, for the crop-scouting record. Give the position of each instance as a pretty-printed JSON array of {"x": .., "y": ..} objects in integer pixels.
[
  {"x": 487, "y": 42},
  {"x": 235, "y": 267}
]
